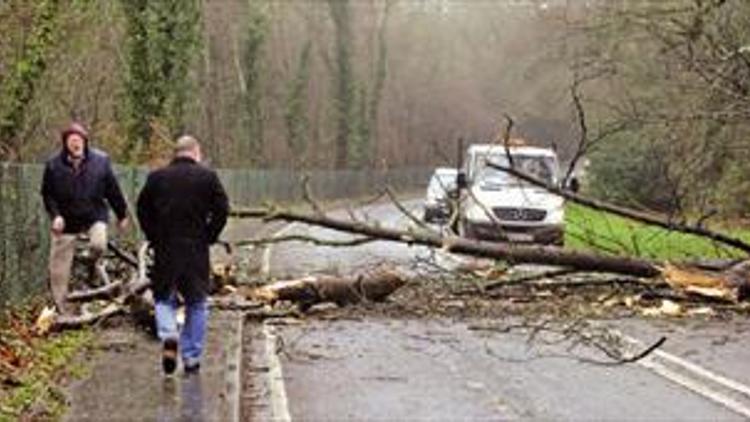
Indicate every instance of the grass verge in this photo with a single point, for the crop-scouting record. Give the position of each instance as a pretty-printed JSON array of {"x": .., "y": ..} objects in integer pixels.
[
  {"x": 588, "y": 229},
  {"x": 33, "y": 368}
]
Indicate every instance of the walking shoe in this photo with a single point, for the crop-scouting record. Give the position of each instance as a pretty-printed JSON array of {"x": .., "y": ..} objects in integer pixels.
[
  {"x": 193, "y": 369},
  {"x": 169, "y": 356}
]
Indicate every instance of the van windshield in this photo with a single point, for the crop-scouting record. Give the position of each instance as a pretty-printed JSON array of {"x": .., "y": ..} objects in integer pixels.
[
  {"x": 544, "y": 168},
  {"x": 446, "y": 181}
]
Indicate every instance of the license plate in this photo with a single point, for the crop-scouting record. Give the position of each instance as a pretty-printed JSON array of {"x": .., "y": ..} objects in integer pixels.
[{"x": 520, "y": 237}]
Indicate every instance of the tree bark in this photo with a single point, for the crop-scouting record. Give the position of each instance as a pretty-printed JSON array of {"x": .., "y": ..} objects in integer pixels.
[{"x": 374, "y": 286}]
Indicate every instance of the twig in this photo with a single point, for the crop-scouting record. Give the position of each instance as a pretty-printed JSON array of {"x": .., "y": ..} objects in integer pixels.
[
  {"x": 521, "y": 280},
  {"x": 122, "y": 254},
  {"x": 308, "y": 197},
  {"x": 65, "y": 322},
  {"x": 575, "y": 332},
  {"x": 406, "y": 212},
  {"x": 102, "y": 292}
]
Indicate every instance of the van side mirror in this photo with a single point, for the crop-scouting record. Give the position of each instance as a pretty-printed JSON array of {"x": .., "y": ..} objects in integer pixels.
[
  {"x": 461, "y": 180},
  {"x": 574, "y": 185}
]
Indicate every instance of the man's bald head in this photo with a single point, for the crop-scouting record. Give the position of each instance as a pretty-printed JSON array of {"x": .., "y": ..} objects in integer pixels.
[{"x": 188, "y": 146}]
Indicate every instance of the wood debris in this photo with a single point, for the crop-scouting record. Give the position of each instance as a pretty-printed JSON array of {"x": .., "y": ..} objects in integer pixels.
[
  {"x": 731, "y": 285},
  {"x": 372, "y": 286}
]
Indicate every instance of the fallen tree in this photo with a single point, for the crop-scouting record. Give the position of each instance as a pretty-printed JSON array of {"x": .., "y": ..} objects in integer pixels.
[
  {"x": 732, "y": 283},
  {"x": 134, "y": 297},
  {"x": 510, "y": 252}
]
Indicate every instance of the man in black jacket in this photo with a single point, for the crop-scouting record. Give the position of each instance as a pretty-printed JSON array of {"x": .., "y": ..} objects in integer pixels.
[
  {"x": 182, "y": 210},
  {"x": 77, "y": 185}
]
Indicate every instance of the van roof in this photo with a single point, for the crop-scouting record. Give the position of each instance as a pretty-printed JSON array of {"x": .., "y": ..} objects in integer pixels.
[
  {"x": 523, "y": 150},
  {"x": 446, "y": 170}
]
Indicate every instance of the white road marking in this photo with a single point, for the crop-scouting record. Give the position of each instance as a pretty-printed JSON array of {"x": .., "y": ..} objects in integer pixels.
[
  {"x": 717, "y": 378},
  {"x": 234, "y": 380},
  {"x": 695, "y": 378},
  {"x": 265, "y": 268},
  {"x": 279, "y": 403},
  {"x": 696, "y": 386}
]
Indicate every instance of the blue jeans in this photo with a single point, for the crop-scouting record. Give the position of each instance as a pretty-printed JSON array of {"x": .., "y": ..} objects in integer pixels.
[{"x": 194, "y": 331}]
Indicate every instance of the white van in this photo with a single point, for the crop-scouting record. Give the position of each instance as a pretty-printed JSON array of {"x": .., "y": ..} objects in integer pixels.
[{"x": 497, "y": 206}]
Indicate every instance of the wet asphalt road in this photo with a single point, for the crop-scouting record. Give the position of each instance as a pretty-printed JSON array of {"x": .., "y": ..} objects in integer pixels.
[
  {"x": 451, "y": 370},
  {"x": 440, "y": 370},
  {"x": 294, "y": 259}
]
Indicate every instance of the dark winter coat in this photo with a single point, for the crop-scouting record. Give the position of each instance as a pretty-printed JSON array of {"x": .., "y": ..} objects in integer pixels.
[
  {"x": 81, "y": 196},
  {"x": 182, "y": 209}
]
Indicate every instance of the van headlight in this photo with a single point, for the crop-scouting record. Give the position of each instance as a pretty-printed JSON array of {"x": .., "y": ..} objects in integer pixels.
[
  {"x": 475, "y": 213},
  {"x": 556, "y": 216}
]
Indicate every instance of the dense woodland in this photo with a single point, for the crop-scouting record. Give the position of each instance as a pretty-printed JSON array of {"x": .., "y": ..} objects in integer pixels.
[{"x": 655, "y": 94}]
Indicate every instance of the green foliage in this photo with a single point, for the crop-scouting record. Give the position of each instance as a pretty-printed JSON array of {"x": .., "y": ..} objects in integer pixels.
[
  {"x": 355, "y": 108},
  {"x": 42, "y": 363},
  {"x": 162, "y": 39},
  {"x": 677, "y": 73},
  {"x": 19, "y": 87},
  {"x": 733, "y": 193},
  {"x": 381, "y": 73},
  {"x": 252, "y": 58},
  {"x": 295, "y": 110},
  {"x": 359, "y": 149},
  {"x": 140, "y": 86},
  {"x": 587, "y": 229},
  {"x": 174, "y": 43},
  {"x": 344, "y": 84},
  {"x": 630, "y": 171}
]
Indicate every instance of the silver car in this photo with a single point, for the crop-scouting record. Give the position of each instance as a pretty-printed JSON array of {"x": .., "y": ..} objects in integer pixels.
[{"x": 441, "y": 192}]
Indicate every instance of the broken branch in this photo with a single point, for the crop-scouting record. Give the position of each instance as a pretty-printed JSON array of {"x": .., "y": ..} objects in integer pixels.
[{"x": 624, "y": 212}]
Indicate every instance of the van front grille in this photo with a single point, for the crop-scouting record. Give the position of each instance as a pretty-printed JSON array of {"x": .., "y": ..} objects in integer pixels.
[{"x": 519, "y": 214}]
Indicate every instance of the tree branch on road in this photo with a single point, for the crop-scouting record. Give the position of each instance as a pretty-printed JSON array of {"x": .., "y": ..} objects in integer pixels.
[{"x": 515, "y": 253}]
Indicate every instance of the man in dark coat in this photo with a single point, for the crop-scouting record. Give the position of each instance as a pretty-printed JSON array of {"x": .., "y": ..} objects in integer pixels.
[
  {"x": 182, "y": 210},
  {"x": 77, "y": 185}
]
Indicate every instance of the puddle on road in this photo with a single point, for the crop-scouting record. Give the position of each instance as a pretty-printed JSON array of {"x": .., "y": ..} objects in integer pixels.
[{"x": 181, "y": 398}]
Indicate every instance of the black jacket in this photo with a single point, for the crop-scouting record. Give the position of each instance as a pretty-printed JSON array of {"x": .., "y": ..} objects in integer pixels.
[
  {"x": 79, "y": 196},
  {"x": 182, "y": 209}
]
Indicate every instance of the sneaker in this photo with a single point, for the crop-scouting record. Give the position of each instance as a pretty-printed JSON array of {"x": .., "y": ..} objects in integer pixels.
[
  {"x": 169, "y": 356},
  {"x": 193, "y": 369}
]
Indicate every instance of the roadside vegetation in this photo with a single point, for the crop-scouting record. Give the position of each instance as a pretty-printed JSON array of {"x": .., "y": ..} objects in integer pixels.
[
  {"x": 34, "y": 368},
  {"x": 593, "y": 230}
]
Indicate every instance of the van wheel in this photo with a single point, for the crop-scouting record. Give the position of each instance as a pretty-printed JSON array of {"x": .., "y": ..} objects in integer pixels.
[{"x": 428, "y": 216}]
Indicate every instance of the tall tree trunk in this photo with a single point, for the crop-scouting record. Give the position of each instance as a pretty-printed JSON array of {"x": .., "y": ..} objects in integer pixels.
[
  {"x": 18, "y": 90},
  {"x": 344, "y": 86},
  {"x": 381, "y": 74},
  {"x": 253, "y": 136}
]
